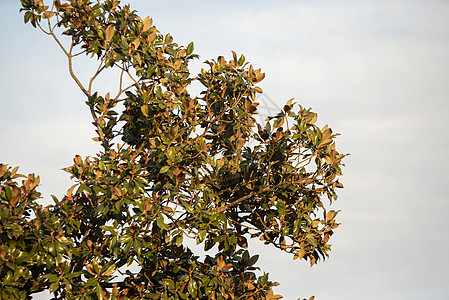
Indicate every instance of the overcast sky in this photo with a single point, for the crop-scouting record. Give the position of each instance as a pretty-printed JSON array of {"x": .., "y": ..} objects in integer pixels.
[{"x": 376, "y": 71}]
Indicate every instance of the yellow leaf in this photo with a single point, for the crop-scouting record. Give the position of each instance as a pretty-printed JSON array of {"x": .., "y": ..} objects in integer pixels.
[
  {"x": 70, "y": 191},
  {"x": 147, "y": 23},
  {"x": 289, "y": 102},
  {"x": 14, "y": 171},
  {"x": 257, "y": 89},
  {"x": 338, "y": 184},
  {"x": 151, "y": 36},
  {"x": 326, "y": 132},
  {"x": 78, "y": 161},
  {"x": 117, "y": 191},
  {"x": 139, "y": 60},
  {"x": 330, "y": 215},
  {"x": 109, "y": 33},
  {"x": 328, "y": 160},
  {"x": 48, "y": 14},
  {"x": 220, "y": 263},
  {"x": 89, "y": 269},
  {"x": 115, "y": 4},
  {"x": 136, "y": 43},
  {"x": 324, "y": 143},
  {"x": 177, "y": 64},
  {"x": 300, "y": 254},
  {"x": 3, "y": 169},
  {"x": 259, "y": 77},
  {"x": 221, "y": 61},
  {"x": 278, "y": 123},
  {"x": 272, "y": 296},
  {"x": 144, "y": 109}
]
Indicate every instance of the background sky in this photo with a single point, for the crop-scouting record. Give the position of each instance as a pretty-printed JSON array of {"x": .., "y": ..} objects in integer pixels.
[{"x": 376, "y": 71}]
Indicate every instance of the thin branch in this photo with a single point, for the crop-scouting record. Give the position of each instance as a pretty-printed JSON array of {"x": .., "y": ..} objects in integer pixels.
[
  {"x": 43, "y": 30},
  {"x": 79, "y": 53},
  {"x": 100, "y": 68},
  {"x": 69, "y": 55},
  {"x": 135, "y": 81},
  {"x": 241, "y": 199}
]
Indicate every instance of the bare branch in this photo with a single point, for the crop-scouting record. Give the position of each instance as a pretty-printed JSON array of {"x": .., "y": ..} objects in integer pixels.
[{"x": 100, "y": 68}]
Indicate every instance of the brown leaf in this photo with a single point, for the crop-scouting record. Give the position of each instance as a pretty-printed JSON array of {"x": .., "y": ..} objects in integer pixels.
[
  {"x": 221, "y": 264},
  {"x": 176, "y": 171}
]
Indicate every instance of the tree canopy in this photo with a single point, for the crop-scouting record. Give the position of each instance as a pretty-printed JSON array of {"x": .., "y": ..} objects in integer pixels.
[{"x": 173, "y": 167}]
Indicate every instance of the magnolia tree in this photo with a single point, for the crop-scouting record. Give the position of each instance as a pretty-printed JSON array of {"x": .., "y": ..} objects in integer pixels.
[{"x": 172, "y": 167}]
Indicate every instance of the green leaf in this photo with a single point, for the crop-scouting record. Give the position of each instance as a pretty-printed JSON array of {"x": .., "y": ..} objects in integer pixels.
[
  {"x": 164, "y": 169},
  {"x": 159, "y": 93},
  {"x": 99, "y": 291},
  {"x": 160, "y": 222},
  {"x": 201, "y": 236},
  {"x": 267, "y": 127},
  {"x": 124, "y": 239},
  {"x": 179, "y": 240},
  {"x": 144, "y": 109},
  {"x": 253, "y": 260},
  {"x": 54, "y": 286},
  {"x": 188, "y": 207},
  {"x": 241, "y": 60},
  {"x": 55, "y": 200},
  {"x": 109, "y": 228},
  {"x": 8, "y": 193},
  {"x": 192, "y": 287},
  {"x": 190, "y": 48},
  {"x": 171, "y": 153}
]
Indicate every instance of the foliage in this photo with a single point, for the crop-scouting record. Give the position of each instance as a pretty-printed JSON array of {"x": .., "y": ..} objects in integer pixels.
[{"x": 188, "y": 167}]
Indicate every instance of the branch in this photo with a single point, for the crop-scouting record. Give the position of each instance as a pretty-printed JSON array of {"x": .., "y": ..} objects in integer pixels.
[
  {"x": 67, "y": 53},
  {"x": 100, "y": 68},
  {"x": 241, "y": 199},
  {"x": 69, "y": 56}
]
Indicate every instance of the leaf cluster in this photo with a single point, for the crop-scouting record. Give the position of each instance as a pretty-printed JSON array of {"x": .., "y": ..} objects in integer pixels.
[{"x": 185, "y": 167}]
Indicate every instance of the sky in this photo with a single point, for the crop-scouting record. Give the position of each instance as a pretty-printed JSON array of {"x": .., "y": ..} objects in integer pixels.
[{"x": 377, "y": 72}]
